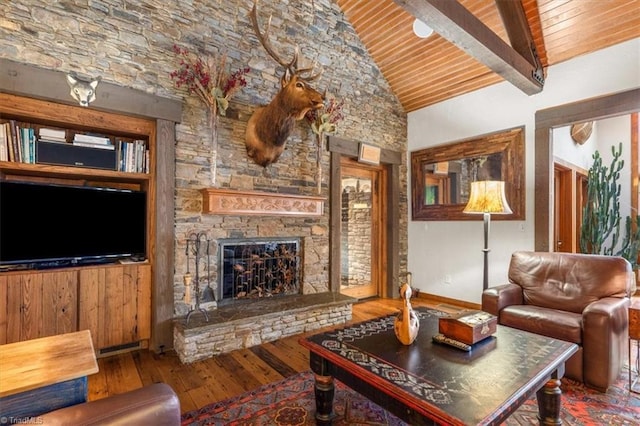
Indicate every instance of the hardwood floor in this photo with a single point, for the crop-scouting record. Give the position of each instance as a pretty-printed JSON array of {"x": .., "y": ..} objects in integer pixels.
[{"x": 220, "y": 377}]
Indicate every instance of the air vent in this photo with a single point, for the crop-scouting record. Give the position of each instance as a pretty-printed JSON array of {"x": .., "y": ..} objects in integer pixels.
[{"x": 119, "y": 348}]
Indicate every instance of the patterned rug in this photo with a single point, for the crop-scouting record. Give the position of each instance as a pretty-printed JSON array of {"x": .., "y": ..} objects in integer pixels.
[{"x": 292, "y": 402}]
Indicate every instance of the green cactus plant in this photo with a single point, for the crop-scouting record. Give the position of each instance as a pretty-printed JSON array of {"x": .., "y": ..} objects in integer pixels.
[{"x": 601, "y": 231}]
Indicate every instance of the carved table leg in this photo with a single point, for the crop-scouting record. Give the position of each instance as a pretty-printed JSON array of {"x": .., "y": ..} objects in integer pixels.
[
  {"x": 549, "y": 403},
  {"x": 324, "y": 399}
]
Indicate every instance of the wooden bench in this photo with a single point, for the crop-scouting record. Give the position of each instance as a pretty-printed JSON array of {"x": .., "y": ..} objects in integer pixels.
[{"x": 41, "y": 375}]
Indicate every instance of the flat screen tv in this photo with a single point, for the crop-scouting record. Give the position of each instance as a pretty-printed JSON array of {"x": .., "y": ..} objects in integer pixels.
[{"x": 46, "y": 225}]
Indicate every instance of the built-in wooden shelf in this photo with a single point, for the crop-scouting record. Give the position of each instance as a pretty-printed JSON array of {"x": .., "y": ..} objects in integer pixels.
[
  {"x": 235, "y": 202},
  {"x": 69, "y": 172}
]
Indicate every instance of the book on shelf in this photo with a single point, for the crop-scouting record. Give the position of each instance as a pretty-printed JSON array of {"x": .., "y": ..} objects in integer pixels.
[
  {"x": 4, "y": 153},
  {"x": 9, "y": 141},
  {"x": 132, "y": 156},
  {"x": 27, "y": 137},
  {"x": 79, "y": 137},
  {"x": 93, "y": 145},
  {"x": 15, "y": 142},
  {"x": 52, "y": 134}
]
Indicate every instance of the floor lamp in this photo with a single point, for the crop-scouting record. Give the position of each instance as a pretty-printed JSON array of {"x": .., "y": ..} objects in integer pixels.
[{"x": 487, "y": 197}]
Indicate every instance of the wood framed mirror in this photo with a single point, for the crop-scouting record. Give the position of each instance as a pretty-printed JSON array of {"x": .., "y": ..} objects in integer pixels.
[{"x": 441, "y": 176}]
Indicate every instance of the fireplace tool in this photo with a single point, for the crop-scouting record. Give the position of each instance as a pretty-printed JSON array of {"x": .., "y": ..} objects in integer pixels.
[{"x": 198, "y": 245}]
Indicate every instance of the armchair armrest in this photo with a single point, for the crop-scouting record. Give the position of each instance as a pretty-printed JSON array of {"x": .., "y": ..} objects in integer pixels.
[
  {"x": 496, "y": 298},
  {"x": 605, "y": 325}
]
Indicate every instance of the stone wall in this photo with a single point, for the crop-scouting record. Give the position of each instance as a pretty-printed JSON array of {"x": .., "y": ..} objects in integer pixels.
[
  {"x": 356, "y": 238},
  {"x": 130, "y": 44}
]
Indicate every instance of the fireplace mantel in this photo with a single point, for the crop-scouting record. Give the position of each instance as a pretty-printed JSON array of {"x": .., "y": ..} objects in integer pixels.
[{"x": 231, "y": 201}]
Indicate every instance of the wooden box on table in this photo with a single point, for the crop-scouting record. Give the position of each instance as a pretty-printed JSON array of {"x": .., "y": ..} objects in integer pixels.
[{"x": 468, "y": 327}]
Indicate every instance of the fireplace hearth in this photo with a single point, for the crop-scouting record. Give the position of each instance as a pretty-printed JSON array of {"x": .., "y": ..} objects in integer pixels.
[{"x": 258, "y": 268}]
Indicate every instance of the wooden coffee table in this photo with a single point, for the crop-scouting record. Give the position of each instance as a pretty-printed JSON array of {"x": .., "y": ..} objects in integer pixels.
[{"x": 427, "y": 382}]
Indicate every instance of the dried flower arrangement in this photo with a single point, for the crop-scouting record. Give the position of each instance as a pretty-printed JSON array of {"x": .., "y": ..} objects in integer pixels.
[
  {"x": 326, "y": 119},
  {"x": 322, "y": 121},
  {"x": 209, "y": 80}
]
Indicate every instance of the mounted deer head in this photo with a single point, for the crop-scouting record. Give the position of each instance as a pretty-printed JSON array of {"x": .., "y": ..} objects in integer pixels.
[{"x": 270, "y": 126}]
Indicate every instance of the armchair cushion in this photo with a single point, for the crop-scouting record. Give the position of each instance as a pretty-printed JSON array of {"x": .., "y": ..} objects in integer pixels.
[{"x": 547, "y": 322}]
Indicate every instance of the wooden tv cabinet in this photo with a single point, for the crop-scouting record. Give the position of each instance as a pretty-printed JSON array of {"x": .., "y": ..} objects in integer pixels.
[{"x": 113, "y": 301}]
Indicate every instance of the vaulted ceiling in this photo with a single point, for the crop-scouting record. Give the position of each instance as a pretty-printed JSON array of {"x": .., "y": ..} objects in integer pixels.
[{"x": 464, "y": 53}]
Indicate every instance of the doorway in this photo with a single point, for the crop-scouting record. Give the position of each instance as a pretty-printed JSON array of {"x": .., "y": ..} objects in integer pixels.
[
  {"x": 570, "y": 193},
  {"x": 564, "y": 115},
  {"x": 362, "y": 239}
]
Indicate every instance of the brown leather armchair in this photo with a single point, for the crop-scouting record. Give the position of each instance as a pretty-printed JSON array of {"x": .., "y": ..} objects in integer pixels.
[{"x": 579, "y": 298}]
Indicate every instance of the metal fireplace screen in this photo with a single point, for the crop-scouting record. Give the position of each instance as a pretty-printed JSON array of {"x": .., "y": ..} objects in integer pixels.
[{"x": 255, "y": 269}]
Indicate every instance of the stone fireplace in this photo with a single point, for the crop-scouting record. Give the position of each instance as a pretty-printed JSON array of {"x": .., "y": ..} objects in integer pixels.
[
  {"x": 258, "y": 268},
  {"x": 259, "y": 299}
]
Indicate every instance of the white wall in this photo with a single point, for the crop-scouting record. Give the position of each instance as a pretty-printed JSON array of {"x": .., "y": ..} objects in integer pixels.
[
  {"x": 565, "y": 149},
  {"x": 606, "y": 133},
  {"x": 452, "y": 249},
  {"x": 612, "y": 131}
]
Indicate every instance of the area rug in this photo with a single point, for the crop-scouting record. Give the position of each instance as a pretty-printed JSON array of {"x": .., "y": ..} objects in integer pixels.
[{"x": 292, "y": 402}]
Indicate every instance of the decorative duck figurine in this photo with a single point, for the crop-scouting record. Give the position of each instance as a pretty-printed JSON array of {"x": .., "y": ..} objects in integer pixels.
[{"x": 406, "y": 323}]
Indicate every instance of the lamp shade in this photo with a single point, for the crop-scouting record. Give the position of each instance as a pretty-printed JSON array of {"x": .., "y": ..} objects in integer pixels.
[{"x": 487, "y": 196}]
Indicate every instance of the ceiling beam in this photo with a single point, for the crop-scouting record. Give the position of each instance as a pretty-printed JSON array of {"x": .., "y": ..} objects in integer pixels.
[
  {"x": 459, "y": 26},
  {"x": 515, "y": 22}
]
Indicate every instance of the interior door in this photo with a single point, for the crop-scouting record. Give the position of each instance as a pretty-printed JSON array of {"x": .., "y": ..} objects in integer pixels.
[
  {"x": 563, "y": 212},
  {"x": 362, "y": 226},
  {"x": 570, "y": 192}
]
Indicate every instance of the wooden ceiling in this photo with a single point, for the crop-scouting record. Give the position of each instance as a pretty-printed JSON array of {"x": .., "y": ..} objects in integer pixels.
[{"x": 422, "y": 72}]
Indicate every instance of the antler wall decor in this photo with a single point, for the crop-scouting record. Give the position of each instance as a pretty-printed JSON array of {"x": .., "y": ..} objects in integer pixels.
[{"x": 270, "y": 126}]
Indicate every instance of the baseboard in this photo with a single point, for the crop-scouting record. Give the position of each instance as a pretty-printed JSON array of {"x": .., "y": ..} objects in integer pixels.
[{"x": 449, "y": 301}]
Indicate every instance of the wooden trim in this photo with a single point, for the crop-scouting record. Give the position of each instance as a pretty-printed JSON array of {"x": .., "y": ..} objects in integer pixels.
[
  {"x": 393, "y": 236},
  {"x": 162, "y": 297},
  {"x": 589, "y": 110},
  {"x": 335, "y": 215},
  {"x": 569, "y": 165},
  {"x": 543, "y": 213},
  {"x": 229, "y": 201},
  {"x": 565, "y": 115},
  {"x": 393, "y": 160},
  {"x": 635, "y": 168},
  {"x": 34, "y": 82},
  {"x": 351, "y": 149},
  {"x": 635, "y": 162},
  {"x": 446, "y": 300}
]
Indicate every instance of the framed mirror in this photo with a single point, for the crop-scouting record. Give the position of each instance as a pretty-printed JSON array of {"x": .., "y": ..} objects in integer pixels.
[{"x": 441, "y": 176}]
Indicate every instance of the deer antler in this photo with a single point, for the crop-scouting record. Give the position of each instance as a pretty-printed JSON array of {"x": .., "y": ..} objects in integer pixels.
[{"x": 290, "y": 67}]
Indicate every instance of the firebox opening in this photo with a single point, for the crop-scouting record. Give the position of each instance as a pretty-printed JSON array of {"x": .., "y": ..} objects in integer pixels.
[{"x": 259, "y": 268}]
